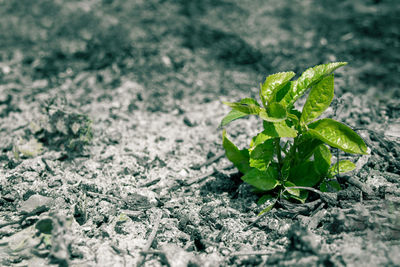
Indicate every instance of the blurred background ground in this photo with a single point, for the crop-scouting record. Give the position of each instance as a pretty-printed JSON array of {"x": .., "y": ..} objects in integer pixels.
[
  {"x": 209, "y": 46},
  {"x": 150, "y": 75}
]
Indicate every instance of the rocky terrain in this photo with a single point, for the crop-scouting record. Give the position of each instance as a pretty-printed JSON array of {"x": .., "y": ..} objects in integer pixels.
[{"x": 110, "y": 143}]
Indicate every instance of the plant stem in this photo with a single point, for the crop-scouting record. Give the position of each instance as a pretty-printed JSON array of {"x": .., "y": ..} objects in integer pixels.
[{"x": 304, "y": 188}]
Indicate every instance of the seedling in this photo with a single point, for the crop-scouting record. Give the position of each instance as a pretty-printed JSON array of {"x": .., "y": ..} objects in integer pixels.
[{"x": 292, "y": 153}]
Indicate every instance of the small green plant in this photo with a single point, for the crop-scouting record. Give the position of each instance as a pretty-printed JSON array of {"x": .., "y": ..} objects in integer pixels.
[{"x": 290, "y": 156}]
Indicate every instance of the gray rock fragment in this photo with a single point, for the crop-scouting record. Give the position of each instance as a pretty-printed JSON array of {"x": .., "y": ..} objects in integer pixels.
[{"x": 34, "y": 204}]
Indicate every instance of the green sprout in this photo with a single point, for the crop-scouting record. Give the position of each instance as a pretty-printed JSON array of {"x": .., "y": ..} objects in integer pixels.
[{"x": 292, "y": 154}]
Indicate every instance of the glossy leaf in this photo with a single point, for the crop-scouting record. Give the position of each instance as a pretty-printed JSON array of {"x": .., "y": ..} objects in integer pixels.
[
  {"x": 259, "y": 139},
  {"x": 264, "y": 116},
  {"x": 318, "y": 100},
  {"x": 246, "y": 105},
  {"x": 260, "y": 164},
  {"x": 263, "y": 180},
  {"x": 236, "y": 156},
  {"x": 232, "y": 115},
  {"x": 304, "y": 174},
  {"x": 278, "y": 129},
  {"x": 273, "y": 83},
  {"x": 322, "y": 159},
  {"x": 283, "y": 91},
  {"x": 337, "y": 135},
  {"x": 308, "y": 79},
  {"x": 249, "y": 101},
  {"x": 344, "y": 166},
  {"x": 276, "y": 111},
  {"x": 262, "y": 154}
]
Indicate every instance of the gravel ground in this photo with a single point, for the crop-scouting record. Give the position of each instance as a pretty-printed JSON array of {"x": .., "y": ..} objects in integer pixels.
[{"x": 111, "y": 148}]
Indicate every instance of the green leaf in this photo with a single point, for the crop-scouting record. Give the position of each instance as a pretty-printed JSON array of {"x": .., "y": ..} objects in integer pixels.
[
  {"x": 263, "y": 180},
  {"x": 260, "y": 164},
  {"x": 236, "y": 156},
  {"x": 259, "y": 139},
  {"x": 293, "y": 118},
  {"x": 295, "y": 113},
  {"x": 337, "y": 135},
  {"x": 264, "y": 116},
  {"x": 308, "y": 79},
  {"x": 318, "y": 100},
  {"x": 292, "y": 191},
  {"x": 246, "y": 105},
  {"x": 330, "y": 186},
  {"x": 232, "y": 115},
  {"x": 306, "y": 146},
  {"x": 278, "y": 129},
  {"x": 286, "y": 166},
  {"x": 304, "y": 174},
  {"x": 262, "y": 154},
  {"x": 274, "y": 112},
  {"x": 249, "y": 101},
  {"x": 283, "y": 91},
  {"x": 344, "y": 166},
  {"x": 273, "y": 83},
  {"x": 322, "y": 159}
]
